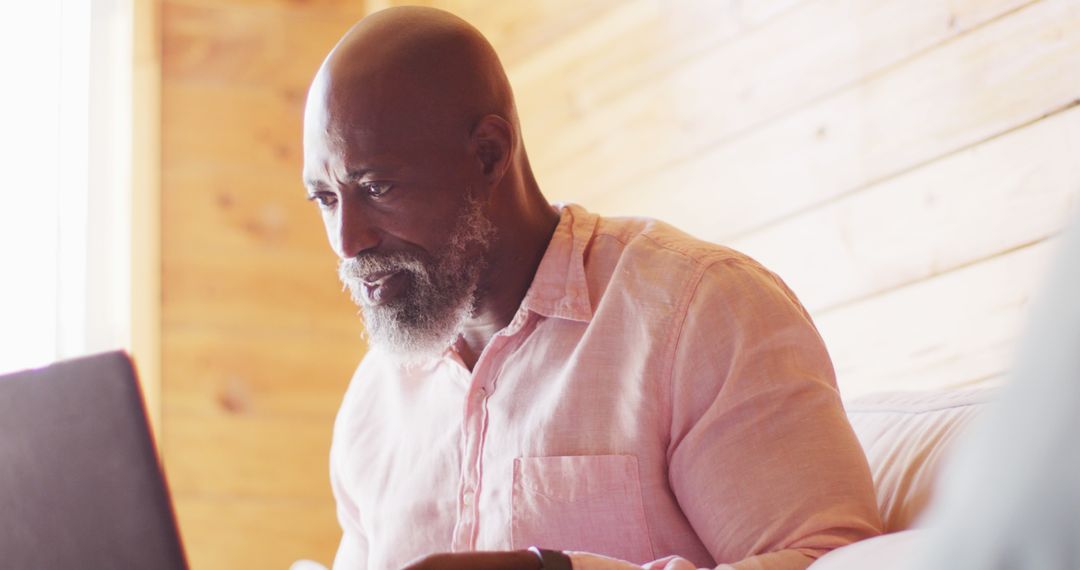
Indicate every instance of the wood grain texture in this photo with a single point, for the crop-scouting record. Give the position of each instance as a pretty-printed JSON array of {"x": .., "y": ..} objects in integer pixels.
[
  {"x": 267, "y": 291},
  {"x": 236, "y": 209},
  {"x": 951, "y": 330},
  {"x": 575, "y": 93},
  {"x": 248, "y": 456},
  {"x": 948, "y": 99},
  {"x": 206, "y": 124},
  {"x": 518, "y": 29},
  {"x": 249, "y": 533},
  {"x": 278, "y": 45},
  {"x": 991, "y": 80},
  {"x": 260, "y": 373},
  {"x": 714, "y": 98},
  {"x": 1009, "y": 192}
]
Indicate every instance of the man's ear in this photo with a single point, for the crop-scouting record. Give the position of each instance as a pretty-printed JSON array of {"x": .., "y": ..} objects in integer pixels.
[{"x": 493, "y": 142}]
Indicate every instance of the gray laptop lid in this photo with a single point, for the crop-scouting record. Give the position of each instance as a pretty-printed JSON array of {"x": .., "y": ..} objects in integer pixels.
[{"x": 80, "y": 483}]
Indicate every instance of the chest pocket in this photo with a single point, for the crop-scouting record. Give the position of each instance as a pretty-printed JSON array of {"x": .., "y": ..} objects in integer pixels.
[{"x": 589, "y": 503}]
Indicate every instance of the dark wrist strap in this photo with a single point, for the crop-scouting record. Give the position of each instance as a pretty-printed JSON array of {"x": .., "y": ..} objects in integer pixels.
[{"x": 552, "y": 559}]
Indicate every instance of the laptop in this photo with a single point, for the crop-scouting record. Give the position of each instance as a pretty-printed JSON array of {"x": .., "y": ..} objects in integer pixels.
[{"x": 80, "y": 482}]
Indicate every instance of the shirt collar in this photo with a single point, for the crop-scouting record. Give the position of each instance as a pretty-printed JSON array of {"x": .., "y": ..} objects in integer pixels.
[{"x": 559, "y": 288}]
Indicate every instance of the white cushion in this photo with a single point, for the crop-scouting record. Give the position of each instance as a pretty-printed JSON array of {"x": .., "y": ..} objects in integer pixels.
[
  {"x": 905, "y": 436},
  {"x": 886, "y": 552}
]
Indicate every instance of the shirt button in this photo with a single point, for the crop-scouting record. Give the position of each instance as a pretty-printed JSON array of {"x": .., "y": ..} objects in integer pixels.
[{"x": 467, "y": 499}]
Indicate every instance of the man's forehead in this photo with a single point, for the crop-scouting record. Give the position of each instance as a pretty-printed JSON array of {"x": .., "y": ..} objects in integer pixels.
[
  {"x": 358, "y": 118},
  {"x": 357, "y": 142},
  {"x": 336, "y": 127},
  {"x": 365, "y": 113},
  {"x": 348, "y": 151}
]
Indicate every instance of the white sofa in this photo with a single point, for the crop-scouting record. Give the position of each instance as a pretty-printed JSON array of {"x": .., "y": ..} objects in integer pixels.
[{"x": 905, "y": 436}]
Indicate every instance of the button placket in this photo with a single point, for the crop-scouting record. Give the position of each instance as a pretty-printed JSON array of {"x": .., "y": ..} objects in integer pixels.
[{"x": 473, "y": 435}]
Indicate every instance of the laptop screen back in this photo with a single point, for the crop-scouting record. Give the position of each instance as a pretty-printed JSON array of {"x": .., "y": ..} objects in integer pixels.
[{"x": 80, "y": 483}]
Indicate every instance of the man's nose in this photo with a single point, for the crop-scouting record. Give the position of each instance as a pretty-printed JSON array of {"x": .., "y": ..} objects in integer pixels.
[{"x": 356, "y": 233}]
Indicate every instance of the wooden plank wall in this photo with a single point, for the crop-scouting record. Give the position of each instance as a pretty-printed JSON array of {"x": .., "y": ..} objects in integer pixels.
[
  {"x": 902, "y": 164},
  {"x": 258, "y": 341}
]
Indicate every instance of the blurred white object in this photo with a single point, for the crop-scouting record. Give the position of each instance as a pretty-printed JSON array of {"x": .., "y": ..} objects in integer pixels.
[
  {"x": 306, "y": 565},
  {"x": 1010, "y": 497}
]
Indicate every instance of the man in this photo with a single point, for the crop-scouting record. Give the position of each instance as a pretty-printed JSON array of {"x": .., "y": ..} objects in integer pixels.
[{"x": 610, "y": 391}]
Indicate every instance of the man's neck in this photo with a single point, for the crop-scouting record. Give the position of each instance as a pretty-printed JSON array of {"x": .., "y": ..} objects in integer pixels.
[{"x": 511, "y": 270}]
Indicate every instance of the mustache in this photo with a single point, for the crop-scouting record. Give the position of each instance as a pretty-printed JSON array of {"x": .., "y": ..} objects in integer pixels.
[{"x": 354, "y": 269}]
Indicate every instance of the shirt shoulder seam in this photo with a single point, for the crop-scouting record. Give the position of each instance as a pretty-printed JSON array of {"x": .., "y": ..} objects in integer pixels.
[
  {"x": 706, "y": 253},
  {"x": 686, "y": 298}
]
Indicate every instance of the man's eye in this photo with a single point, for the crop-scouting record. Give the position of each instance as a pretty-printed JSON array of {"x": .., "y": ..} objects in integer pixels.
[
  {"x": 376, "y": 189},
  {"x": 324, "y": 199}
]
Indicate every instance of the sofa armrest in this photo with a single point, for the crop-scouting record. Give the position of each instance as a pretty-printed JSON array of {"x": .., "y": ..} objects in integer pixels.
[{"x": 892, "y": 551}]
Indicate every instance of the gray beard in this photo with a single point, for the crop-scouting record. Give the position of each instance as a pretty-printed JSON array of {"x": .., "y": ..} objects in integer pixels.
[{"x": 440, "y": 296}]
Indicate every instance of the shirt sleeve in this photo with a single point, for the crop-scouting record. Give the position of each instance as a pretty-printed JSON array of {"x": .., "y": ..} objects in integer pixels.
[{"x": 762, "y": 458}]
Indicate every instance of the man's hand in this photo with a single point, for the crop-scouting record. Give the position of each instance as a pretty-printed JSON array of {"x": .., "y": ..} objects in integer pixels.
[{"x": 514, "y": 560}]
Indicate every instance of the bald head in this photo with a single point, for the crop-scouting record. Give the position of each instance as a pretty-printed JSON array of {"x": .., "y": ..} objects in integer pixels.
[
  {"x": 412, "y": 68},
  {"x": 412, "y": 151}
]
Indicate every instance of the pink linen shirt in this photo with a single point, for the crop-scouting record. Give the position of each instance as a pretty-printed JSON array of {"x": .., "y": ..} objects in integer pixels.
[{"x": 657, "y": 402}]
